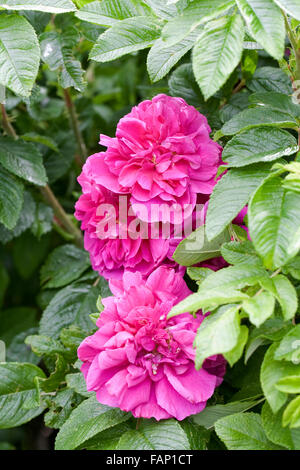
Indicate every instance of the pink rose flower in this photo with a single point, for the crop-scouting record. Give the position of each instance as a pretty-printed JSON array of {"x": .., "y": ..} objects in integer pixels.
[
  {"x": 111, "y": 254},
  {"x": 140, "y": 361},
  {"x": 162, "y": 154}
]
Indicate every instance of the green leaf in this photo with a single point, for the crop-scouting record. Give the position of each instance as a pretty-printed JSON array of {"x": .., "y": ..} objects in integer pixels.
[
  {"x": 272, "y": 424},
  {"x": 259, "y": 308},
  {"x": 243, "y": 432},
  {"x": 182, "y": 83},
  {"x": 70, "y": 305},
  {"x": 22, "y": 159},
  {"x": 273, "y": 329},
  {"x": 55, "y": 6},
  {"x": 265, "y": 23},
  {"x": 239, "y": 253},
  {"x": 127, "y": 36},
  {"x": 108, "y": 439},
  {"x": 17, "y": 392},
  {"x": 277, "y": 101},
  {"x": 259, "y": 144},
  {"x": 38, "y": 19},
  {"x": 221, "y": 288},
  {"x": 18, "y": 348},
  {"x": 166, "y": 10},
  {"x": 29, "y": 252},
  {"x": 25, "y": 220},
  {"x": 16, "y": 324},
  {"x": 257, "y": 117},
  {"x": 291, "y": 415},
  {"x": 273, "y": 223},
  {"x": 15, "y": 320},
  {"x": 41, "y": 345},
  {"x": 286, "y": 295},
  {"x": 218, "y": 334},
  {"x": 164, "y": 435},
  {"x": 271, "y": 372},
  {"x": 292, "y": 7},
  {"x": 235, "y": 277},
  {"x": 236, "y": 104},
  {"x": 161, "y": 59},
  {"x": 230, "y": 195},
  {"x": 198, "y": 274},
  {"x": 217, "y": 52},
  {"x": 77, "y": 382},
  {"x": 197, "y": 435},
  {"x": 19, "y": 54},
  {"x": 195, "y": 14},
  {"x": 207, "y": 299},
  {"x": 43, "y": 108},
  {"x": 211, "y": 414},
  {"x": 71, "y": 74},
  {"x": 72, "y": 336},
  {"x": 40, "y": 139},
  {"x": 290, "y": 384},
  {"x": 64, "y": 265},
  {"x": 11, "y": 198},
  {"x": 270, "y": 79},
  {"x": 196, "y": 248},
  {"x": 56, "y": 50},
  {"x": 87, "y": 420},
  {"x": 289, "y": 347},
  {"x": 81, "y": 3},
  {"x": 249, "y": 63},
  {"x": 109, "y": 12},
  {"x": 60, "y": 408},
  {"x": 57, "y": 164},
  {"x": 292, "y": 182},
  {"x": 43, "y": 220},
  {"x": 236, "y": 353},
  {"x": 54, "y": 380}
]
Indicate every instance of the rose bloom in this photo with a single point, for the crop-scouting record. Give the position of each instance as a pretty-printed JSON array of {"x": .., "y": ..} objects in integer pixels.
[
  {"x": 162, "y": 154},
  {"x": 140, "y": 361},
  {"x": 111, "y": 254}
]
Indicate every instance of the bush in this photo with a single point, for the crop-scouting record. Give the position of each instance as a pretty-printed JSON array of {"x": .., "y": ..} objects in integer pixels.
[{"x": 70, "y": 70}]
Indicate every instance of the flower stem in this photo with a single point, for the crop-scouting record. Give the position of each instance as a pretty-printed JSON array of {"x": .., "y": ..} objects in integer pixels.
[
  {"x": 274, "y": 274},
  {"x": 61, "y": 215},
  {"x": 239, "y": 86},
  {"x": 6, "y": 123},
  {"x": 294, "y": 44},
  {"x": 46, "y": 191},
  {"x": 75, "y": 125}
]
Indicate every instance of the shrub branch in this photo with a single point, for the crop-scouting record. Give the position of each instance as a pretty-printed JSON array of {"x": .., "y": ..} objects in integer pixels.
[{"x": 46, "y": 191}]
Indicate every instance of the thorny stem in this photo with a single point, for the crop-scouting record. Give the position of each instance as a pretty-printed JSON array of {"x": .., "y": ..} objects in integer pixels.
[
  {"x": 6, "y": 123},
  {"x": 46, "y": 191},
  {"x": 239, "y": 86},
  {"x": 233, "y": 234},
  {"x": 96, "y": 282},
  {"x": 65, "y": 235},
  {"x": 75, "y": 125},
  {"x": 61, "y": 215},
  {"x": 272, "y": 275},
  {"x": 293, "y": 41},
  {"x": 275, "y": 272}
]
